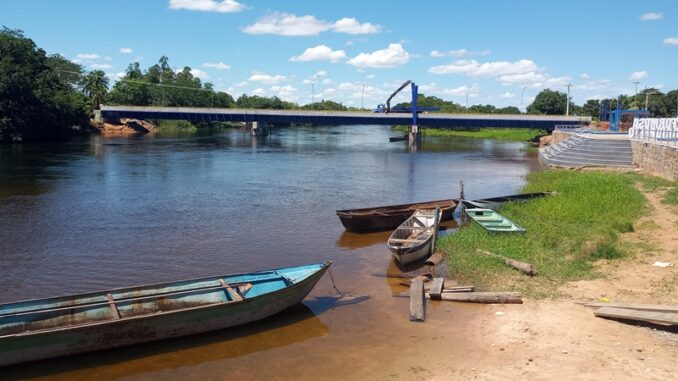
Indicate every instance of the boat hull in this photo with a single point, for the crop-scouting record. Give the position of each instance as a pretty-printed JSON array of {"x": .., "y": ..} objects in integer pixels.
[
  {"x": 390, "y": 217},
  {"x": 92, "y": 337},
  {"x": 407, "y": 242},
  {"x": 494, "y": 202},
  {"x": 407, "y": 256}
]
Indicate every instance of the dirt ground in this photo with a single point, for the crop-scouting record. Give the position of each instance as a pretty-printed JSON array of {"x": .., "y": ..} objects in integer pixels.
[{"x": 542, "y": 340}]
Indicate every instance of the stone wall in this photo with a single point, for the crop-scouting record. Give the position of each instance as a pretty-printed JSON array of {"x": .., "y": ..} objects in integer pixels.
[{"x": 657, "y": 159}]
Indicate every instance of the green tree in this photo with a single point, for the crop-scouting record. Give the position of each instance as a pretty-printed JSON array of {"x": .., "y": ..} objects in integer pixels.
[
  {"x": 95, "y": 87},
  {"x": 36, "y": 102},
  {"x": 548, "y": 102},
  {"x": 591, "y": 108}
]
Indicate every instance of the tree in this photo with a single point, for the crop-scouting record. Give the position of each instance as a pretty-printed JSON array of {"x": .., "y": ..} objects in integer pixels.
[
  {"x": 548, "y": 102},
  {"x": 96, "y": 87},
  {"x": 36, "y": 102},
  {"x": 591, "y": 108}
]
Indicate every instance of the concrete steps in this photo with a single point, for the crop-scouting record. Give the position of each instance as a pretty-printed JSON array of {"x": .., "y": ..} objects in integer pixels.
[{"x": 578, "y": 151}]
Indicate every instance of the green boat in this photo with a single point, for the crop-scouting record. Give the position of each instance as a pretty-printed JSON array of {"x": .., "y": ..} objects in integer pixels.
[
  {"x": 493, "y": 221},
  {"x": 46, "y": 328}
]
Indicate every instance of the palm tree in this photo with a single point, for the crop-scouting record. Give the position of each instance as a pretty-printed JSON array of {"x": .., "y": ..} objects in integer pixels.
[{"x": 96, "y": 87}]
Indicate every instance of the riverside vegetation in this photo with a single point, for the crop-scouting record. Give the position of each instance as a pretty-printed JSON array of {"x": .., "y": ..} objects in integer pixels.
[{"x": 566, "y": 232}]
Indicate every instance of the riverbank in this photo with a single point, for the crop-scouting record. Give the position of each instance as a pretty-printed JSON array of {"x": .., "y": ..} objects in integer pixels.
[
  {"x": 566, "y": 233},
  {"x": 509, "y": 134}
]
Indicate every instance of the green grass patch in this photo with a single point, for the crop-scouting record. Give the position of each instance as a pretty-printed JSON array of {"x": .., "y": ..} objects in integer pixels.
[
  {"x": 510, "y": 134},
  {"x": 653, "y": 183},
  {"x": 671, "y": 196},
  {"x": 566, "y": 233},
  {"x": 176, "y": 125}
]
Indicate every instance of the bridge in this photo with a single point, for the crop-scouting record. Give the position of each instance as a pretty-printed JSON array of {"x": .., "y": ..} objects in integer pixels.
[{"x": 438, "y": 120}]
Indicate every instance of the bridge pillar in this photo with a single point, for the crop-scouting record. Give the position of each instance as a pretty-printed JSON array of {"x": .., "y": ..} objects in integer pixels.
[
  {"x": 414, "y": 134},
  {"x": 257, "y": 129}
]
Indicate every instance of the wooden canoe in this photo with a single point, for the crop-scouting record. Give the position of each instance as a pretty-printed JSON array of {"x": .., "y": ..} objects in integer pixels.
[
  {"x": 415, "y": 238},
  {"x": 493, "y": 221},
  {"x": 389, "y": 217},
  {"x": 46, "y": 328},
  {"x": 494, "y": 202}
]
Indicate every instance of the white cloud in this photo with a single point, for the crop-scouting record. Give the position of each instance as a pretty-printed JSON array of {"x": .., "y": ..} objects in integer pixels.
[
  {"x": 320, "y": 73},
  {"x": 224, "y": 6},
  {"x": 507, "y": 95},
  {"x": 370, "y": 76},
  {"x": 392, "y": 56},
  {"x": 584, "y": 76},
  {"x": 288, "y": 93},
  {"x": 637, "y": 75},
  {"x": 108, "y": 58},
  {"x": 259, "y": 91},
  {"x": 266, "y": 78},
  {"x": 319, "y": 53},
  {"x": 474, "y": 68},
  {"x": 216, "y": 65},
  {"x": 352, "y": 26},
  {"x": 120, "y": 74},
  {"x": 87, "y": 56},
  {"x": 126, "y": 50},
  {"x": 433, "y": 89},
  {"x": 458, "y": 53},
  {"x": 286, "y": 24},
  {"x": 100, "y": 66},
  {"x": 652, "y": 16},
  {"x": 76, "y": 60},
  {"x": 199, "y": 74},
  {"x": 671, "y": 41}
]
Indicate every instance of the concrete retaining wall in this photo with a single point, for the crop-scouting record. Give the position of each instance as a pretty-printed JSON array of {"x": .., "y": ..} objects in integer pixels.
[{"x": 657, "y": 159}]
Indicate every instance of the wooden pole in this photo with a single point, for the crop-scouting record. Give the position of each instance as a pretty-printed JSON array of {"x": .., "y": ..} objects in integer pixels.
[
  {"x": 417, "y": 301},
  {"x": 483, "y": 297},
  {"x": 523, "y": 267},
  {"x": 436, "y": 288}
]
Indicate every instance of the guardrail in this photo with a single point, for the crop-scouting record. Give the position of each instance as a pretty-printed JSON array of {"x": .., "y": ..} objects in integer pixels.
[
  {"x": 668, "y": 137},
  {"x": 570, "y": 127}
]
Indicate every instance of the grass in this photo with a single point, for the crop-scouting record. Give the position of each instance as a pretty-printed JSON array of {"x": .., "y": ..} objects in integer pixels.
[
  {"x": 566, "y": 233},
  {"x": 510, "y": 134},
  {"x": 653, "y": 183}
]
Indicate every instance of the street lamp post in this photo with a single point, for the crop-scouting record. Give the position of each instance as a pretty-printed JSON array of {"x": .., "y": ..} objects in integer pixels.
[
  {"x": 567, "y": 106},
  {"x": 312, "y": 95},
  {"x": 468, "y": 90},
  {"x": 522, "y": 93},
  {"x": 362, "y": 98}
]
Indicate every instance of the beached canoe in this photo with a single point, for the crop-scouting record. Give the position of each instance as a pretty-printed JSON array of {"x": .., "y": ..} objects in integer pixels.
[
  {"x": 45, "y": 328},
  {"x": 493, "y": 221},
  {"x": 390, "y": 217},
  {"x": 494, "y": 202},
  {"x": 415, "y": 238}
]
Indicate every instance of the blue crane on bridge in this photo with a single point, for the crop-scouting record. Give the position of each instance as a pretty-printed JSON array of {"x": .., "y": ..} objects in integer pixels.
[{"x": 386, "y": 108}]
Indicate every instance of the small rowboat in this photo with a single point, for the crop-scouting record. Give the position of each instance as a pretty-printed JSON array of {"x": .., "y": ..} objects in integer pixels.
[
  {"x": 415, "y": 238},
  {"x": 494, "y": 202},
  {"x": 390, "y": 217},
  {"x": 493, "y": 221},
  {"x": 46, "y": 328}
]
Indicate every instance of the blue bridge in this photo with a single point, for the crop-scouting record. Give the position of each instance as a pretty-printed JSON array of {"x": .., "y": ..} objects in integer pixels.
[{"x": 438, "y": 120}]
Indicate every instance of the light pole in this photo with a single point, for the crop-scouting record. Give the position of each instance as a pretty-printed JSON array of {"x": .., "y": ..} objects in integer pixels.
[
  {"x": 521, "y": 96},
  {"x": 636, "y": 83},
  {"x": 312, "y": 95},
  {"x": 362, "y": 98},
  {"x": 468, "y": 90},
  {"x": 567, "y": 107},
  {"x": 647, "y": 97}
]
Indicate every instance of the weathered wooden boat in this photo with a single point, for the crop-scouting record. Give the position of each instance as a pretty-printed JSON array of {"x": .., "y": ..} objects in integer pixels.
[
  {"x": 493, "y": 221},
  {"x": 415, "y": 238},
  {"x": 45, "y": 328},
  {"x": 390, "y": 217},
  {"x": 494, "y": 202}
]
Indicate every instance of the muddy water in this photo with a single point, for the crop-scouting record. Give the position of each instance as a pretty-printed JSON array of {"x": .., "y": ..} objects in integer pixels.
[{"x": 116, "y": 212}]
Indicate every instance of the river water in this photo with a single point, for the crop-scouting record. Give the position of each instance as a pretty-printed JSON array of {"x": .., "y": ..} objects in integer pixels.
[{"x": 115, "y": 212}]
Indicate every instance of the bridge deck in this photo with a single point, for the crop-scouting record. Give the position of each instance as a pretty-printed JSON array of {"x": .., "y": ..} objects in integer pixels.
[{"x": 337, "y": 117}]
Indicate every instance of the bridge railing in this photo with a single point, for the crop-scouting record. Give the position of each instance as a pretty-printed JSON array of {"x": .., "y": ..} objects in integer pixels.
[{"x": 662, "y": 131}]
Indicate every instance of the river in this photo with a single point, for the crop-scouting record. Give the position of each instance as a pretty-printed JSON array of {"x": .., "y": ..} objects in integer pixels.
[{"x": 101, "y": 213}]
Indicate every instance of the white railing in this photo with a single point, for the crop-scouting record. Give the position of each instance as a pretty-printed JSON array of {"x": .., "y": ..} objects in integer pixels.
[{"x": 662, "y": 131}]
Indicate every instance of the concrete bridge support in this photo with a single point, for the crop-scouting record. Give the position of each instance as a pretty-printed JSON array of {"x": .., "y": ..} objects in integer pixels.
[
  {"x": 414, "y": 135},
  {"x": 258, "y": 128}
]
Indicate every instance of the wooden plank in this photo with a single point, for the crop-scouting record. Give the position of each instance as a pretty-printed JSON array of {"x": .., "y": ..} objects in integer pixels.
[
  {"x": 523, "y": 267},
  {"x": 436, "y": 288},
  {"x": 668, "y": 318},
  {"x": 114, "y": 308},
  {"x": 417, "y": 301},
  {"x": 483, "y": 297},
  {"x": 458, "y": 289},
  {"x": 400, "y": 240},
  {"x": 234, "y": 295},
  {"x": 638, "y": 307}
]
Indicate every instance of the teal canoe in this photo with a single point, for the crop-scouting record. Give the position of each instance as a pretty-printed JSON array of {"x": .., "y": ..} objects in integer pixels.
[
  {"x": 46, "y": 328},
  {"x": 493, "y": 221}
]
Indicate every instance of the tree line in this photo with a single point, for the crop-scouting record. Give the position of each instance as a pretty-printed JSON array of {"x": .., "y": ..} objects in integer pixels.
[{"x": 47, "y": 97}]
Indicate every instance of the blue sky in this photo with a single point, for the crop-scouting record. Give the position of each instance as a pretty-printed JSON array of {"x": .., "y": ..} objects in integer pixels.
[{"x": 496, "y": 51}]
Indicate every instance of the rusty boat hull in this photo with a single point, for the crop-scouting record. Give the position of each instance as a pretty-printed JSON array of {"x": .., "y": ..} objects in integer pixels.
[
  {"x": 47, "y": 328},
  {"x": 390, "y": 217}
]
